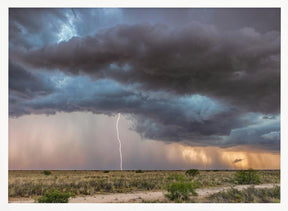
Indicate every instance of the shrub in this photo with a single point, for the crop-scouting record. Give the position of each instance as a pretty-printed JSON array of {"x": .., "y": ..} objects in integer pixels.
[
  {"x": 54, "y": 196},
  {"x": 192, "y": 172},
  {"x": 275, "y": 192},
  {"x": 177, "y": 177},
  {"x": 47, "y": 172},
  {"x": 249, "y": 176},
  {"x": 249, "y": 195},
  {"x": 106, "y": 171},
  {"x": 139, "y": 171},
  {"x": 180, "y": 190},
  {"x": 147, "y": 185}
]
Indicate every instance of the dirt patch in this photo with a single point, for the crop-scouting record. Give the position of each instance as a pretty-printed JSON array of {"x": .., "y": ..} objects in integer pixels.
[
  {"x": 120, "y": 197},
  {"x": 140, "y": 196},
  {"x": 21, "y": 200},
  {"x": 208, "y": 191}
]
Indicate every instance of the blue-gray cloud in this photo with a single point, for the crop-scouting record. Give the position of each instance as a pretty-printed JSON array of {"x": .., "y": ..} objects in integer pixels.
[
  {"x": 194, "y": 119},
  {"x": 191, "y": 59},
  {"x": 24, "y": 86},
  {"x": 30, "y": 28},
  {"x": 273, "y": 136},
  {"x": 258, "y": 133},
  {"x": 158, "y": 116},
  {"x": 40, "y": 26},
  {"x": 206, "y": 81}
]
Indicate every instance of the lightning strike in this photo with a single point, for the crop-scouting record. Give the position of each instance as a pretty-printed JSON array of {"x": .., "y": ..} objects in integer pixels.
[{"x": 118, "y": 137}]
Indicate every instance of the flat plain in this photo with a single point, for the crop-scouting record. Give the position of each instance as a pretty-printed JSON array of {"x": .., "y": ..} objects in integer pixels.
[{"x": 140, "y": 186}]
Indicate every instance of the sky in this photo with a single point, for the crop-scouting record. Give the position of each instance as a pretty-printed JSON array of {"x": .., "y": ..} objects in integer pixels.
[{"x": 196, "y": 88}]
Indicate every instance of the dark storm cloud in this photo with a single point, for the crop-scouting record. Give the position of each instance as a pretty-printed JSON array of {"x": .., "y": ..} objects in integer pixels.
[
  {"x": 195, "y": 119},
  {"x": 37, "y": 27},
  {"x": 226, "y": 129},
  {"x": 263, "y": 134},
  {"x": 26, "y": 83},
  {"x": 155, "y": 116},
  {"x": 240, "y": 66},
  {"x": 261, "y": 19},
  {"x": 23, "y": 86},
  {"x": 175, "y": 127},
  {"x": 190, "y": 82},
  {"x": 237, "y": 160},
  {"x": 30, "y": 28},
  {"x": 274, "y": 135}
]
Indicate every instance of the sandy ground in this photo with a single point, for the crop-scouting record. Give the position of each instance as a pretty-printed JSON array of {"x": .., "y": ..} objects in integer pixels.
[{"x": 138, "y": 196}]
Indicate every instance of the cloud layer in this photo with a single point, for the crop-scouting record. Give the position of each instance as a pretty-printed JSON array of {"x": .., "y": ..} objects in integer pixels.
[
  {"x": 241, "y": 67},
  {"x": 199, "y": 82}
]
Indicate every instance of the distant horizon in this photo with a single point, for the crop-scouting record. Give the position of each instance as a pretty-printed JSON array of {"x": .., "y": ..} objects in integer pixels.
[{"x": 139, "y": 169}]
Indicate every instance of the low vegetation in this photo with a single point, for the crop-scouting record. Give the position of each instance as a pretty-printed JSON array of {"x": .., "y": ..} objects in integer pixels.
[
  {"x": 177, "y": 177},
  {"x": 47, "y": 172},
  {"x": 192, "y": 172},
  {"x": 36, "y": 183},
  {"x": 249, "y": 195},
  {"x": 249, "y": 176},
  {"x": 181, "y": 190},
  {"x": 54, "y": 196}
]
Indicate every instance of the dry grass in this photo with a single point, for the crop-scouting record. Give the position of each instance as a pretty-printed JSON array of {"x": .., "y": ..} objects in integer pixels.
[
  {"x": 35, "y": 183},
  {"x": 248, "y": 195}
]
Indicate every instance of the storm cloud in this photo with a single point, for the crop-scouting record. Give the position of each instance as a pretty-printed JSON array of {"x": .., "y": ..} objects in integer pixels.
[
  {"x": 25, "y": 86},
  {"x": 240, "y": 67},
  {"x": 274, "y": 135},
  {"x": 237, "y": 160},
  {"x": 155, "y": 116},
  {"x": 199, "y": 82}
]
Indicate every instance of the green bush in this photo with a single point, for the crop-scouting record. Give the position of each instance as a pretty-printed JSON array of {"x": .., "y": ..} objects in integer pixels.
[
  {"x": 192, "y": 172},
  {"x": 47, "y": 172},
  {"x": 54, "y": 196},
  {"x": 139, "y": 171},
  {"x": 177, "y": 177},
  {"x": 249, "y": 176},
  {"x": 180, "y": 190},
  {"x": 106, "y": 171}
]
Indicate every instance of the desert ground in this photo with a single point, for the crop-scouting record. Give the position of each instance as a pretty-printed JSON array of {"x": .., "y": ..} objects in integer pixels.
[{"x": 142, "y": 186}]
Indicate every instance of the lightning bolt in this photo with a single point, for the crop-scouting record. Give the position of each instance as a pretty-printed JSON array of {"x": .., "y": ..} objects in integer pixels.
[{"x": 120, "y": 150}]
